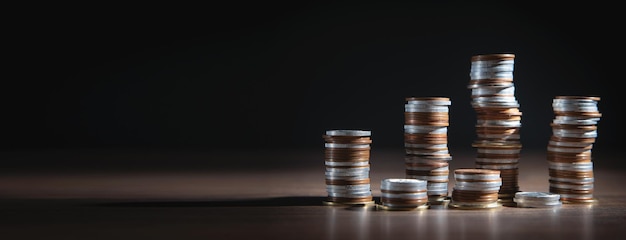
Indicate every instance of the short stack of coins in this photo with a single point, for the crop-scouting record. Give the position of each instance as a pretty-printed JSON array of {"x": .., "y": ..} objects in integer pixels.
[
  {"x": 574, "y": 132},
  {"x": 403, "y": 194},
  {"x": 537, "y": 199},
  {"x": 498, "y": 119},
  {"x": 426, "y": 144},
  {"x": 475, "y": 188},
  {"x": 347, "y": 155}
]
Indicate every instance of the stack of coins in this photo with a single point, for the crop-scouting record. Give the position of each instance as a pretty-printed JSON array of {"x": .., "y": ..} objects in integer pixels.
[
  {"x": 475, "y": 188},
  {"x": 426, "y": 143},
  {"x": 347, "y": 154},
  {"x": 537, "y": 199},
  {"x": 574, "y": 131},
  {"x": 498, "y": 119},
  {"x": 403, "y": 194}
]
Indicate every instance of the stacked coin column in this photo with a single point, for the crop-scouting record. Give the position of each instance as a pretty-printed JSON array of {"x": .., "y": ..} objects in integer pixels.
[
  {"x": 498, "y": 119},
  {"x": 574, "y": 132},
  {"x": 426, "y": 143},
  {"x": 475, "y": 188},
  {"x": 347, "y": 154}
]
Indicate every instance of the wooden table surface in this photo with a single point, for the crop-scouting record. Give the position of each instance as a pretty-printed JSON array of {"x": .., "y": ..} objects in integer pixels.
[{"x": 90, "y": 195}]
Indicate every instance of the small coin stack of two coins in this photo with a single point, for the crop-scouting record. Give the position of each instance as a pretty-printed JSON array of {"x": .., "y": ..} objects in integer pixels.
[
  {"x": 403, "y": 194},
  {"x": 498, "y": 119},
  {"x": 475, "y": 188},
  {"x": 426, "y": 144},
  {"x": 574, "y": 131},
  {"x": 537, "y": 199},
  {"x": 347, "y": 155}
]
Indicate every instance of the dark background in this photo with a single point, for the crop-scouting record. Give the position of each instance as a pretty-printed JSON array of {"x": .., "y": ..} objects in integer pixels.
[{"x": 246, "y": 76}]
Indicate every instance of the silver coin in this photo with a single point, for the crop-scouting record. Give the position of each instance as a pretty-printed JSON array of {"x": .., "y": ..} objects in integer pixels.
[
  {"x": 347, "y": 164},
  {"x": 417, "y": 108},
  {"x": 576, "y": 196},
  {"x": 570, "y": 144},
  {"x": 350, "y": 195},
  {"x": 568, "y": 149},
  {"x": 543, "y": 196},
  {"x": 358, "y": 187},
  {"x": 437, "y": 185},
  {"x": 593, "y": 134},
  {"x": 347, "y": 170},
  {"x": 491, "y": 75},
  {"x": 437, "y": 192},
  {"x": 356, "y": 133},
  {"x": 504, "y": 123},
  {"x": 425, "y": 129},
  {"x": 573, "y": 186},
  {"x": 420, "y": 195},
  {"x": 509, "y": 90},
  {"x": 577, "y": 167},
  {"x": 347, "y": 175},
  {"x": 430, "y": 102},
  {"x": 402, "y": 184},
  {"x": 590, "y": 121},
  {"x": 573, "y": 180},
  {"x": 341, "y": 145},
  {"x": 492, "y": 62},
  {"x": 483, "y": 177},
  {"x": 495, "y": 99},
  {"x": 574, "y": 101}
]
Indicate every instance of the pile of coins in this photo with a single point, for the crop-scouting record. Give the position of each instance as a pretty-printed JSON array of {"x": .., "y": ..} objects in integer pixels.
[
  {"x": 537, "y": 199},
  {"x": 347, "y": 154},
  {"x": 574, "y": 131},
  {"x": 403, "y": 194},
  {"x": 498, "y": 119},
  {"x": 426, "y": 144},
  {"x": 475, "y": 188}
]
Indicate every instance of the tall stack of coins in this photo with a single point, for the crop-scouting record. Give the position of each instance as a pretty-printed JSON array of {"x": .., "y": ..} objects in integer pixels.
[
  {"x": 401, "y": 193},
  {"x": 475, "y": 188},
  {"x": 426, "y": 143},
  {"x": 498, "y": 119},
  {"x": 574, "y": 131},
  {"x": 347, "y": 154}
]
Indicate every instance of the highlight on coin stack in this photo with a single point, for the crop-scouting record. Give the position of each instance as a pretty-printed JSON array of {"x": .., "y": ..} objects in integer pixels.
[
  {"x": 574, "y": 132},
  {"x": 347, "y": 155}
]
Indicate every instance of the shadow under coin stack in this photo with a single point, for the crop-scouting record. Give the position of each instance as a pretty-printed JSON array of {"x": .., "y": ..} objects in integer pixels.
[
  {"x": 574, "y": 131},
  {"x": 426, "y": 144},
  {"x": 498, "y": 119},
  {"x": 403, "y": 194},
  {"x": 347, "y": 154},
  {"x": 475, "y": 188}
]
